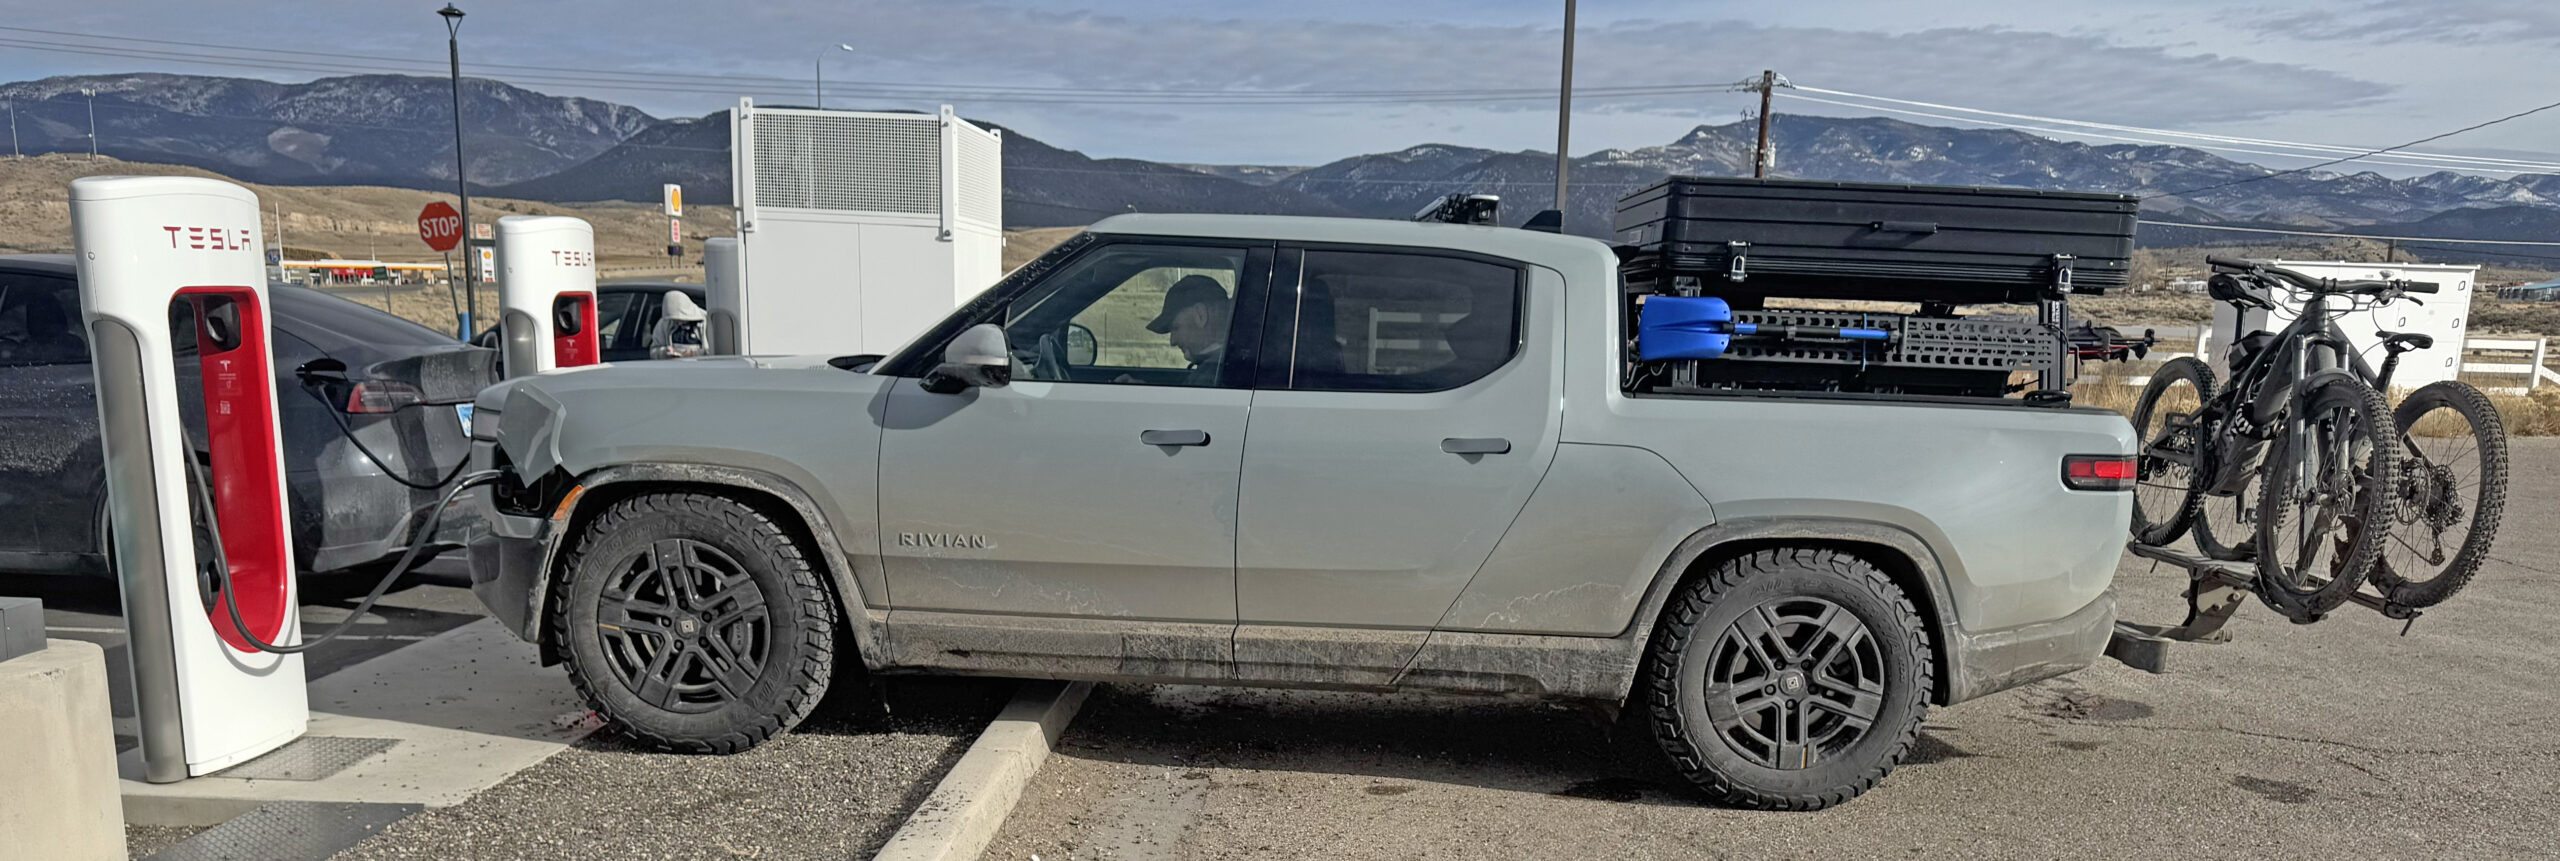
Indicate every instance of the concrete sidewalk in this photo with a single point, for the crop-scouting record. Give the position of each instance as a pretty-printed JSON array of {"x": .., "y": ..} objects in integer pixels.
[{"x": 430, "y": 724}]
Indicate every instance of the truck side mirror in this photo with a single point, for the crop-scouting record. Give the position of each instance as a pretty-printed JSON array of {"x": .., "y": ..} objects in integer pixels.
[{"x": 978, "y": 357}]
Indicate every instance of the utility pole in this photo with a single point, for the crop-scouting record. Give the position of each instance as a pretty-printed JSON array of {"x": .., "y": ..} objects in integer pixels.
[
  {"x": 13, "y": 132},
  {"x": 818, "y": 76},
  {"x": 1760, "y": 157},
  {"x": 461, "y": 177},
  {"x": 1564, "y": 107},
  {"x": 93, "y": 121}
]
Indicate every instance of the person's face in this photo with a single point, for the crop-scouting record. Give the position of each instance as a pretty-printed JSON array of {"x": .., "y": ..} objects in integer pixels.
[{"x": 1195, "y": 332}]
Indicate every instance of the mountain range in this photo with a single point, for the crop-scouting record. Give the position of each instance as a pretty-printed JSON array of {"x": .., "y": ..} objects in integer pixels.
[{"x": 394, "y": 130}]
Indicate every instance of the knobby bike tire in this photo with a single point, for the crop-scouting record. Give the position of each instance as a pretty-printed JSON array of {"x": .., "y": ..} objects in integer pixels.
[
  {"x": 2166, "y": 513},
  {"x": 2360, "y": 523},
  {"x": 2235, "y": 539},
  {"x": 2424, "y": 506}
]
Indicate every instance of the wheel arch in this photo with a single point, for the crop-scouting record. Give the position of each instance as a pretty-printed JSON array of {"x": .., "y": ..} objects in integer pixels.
[
  {"x": 600, "y": 488},
  {"x": 1903, "y": 557}
]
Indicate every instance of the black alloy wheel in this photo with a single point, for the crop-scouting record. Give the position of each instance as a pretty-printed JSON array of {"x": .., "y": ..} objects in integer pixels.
[
  {"x": 685, "y": 627},
  {"x": 1794, "y": 682}
]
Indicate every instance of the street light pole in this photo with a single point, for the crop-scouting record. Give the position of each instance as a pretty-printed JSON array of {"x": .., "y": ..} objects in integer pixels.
[
  {"x": 1564, "y": 107},
  {"x": 93, "y": 121},
  {"x": 818, "y": 73},
  {"x": 461, "y": 177}
]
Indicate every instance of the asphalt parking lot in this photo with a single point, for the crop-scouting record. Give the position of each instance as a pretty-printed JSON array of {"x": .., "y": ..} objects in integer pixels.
[{"x": 2340, "y": 739}]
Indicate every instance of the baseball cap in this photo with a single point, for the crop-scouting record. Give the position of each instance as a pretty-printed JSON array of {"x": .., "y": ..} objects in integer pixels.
[{"x": 1191, "y": 290}]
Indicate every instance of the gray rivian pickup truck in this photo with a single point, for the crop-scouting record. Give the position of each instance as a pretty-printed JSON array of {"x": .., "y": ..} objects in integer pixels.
[{"x": 1299, "y": 452}]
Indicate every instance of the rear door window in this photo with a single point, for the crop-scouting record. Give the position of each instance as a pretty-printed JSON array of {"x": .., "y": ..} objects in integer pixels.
[
  {"x": 1398, "y": 321},
  {"x": 40, "y": 321}
]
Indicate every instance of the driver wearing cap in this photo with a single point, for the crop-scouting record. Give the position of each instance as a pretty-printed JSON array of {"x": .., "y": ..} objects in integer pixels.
[{"x": 1195, "y": 320}]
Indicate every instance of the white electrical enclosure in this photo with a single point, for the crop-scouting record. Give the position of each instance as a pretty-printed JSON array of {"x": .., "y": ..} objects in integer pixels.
[
  {"x": 859, "y": 230},
  {"x": 2444, "y": 315}
]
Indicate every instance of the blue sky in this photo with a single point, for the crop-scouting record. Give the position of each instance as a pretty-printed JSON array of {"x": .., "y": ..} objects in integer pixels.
[{"x": 2341, "y": 71}]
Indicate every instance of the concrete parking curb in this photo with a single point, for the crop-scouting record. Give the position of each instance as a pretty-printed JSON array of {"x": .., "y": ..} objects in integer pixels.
[{"x": 966, "y": 810}]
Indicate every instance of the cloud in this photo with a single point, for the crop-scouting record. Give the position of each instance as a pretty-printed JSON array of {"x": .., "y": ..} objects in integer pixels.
[
  {"x": 2459, "y": 22},
  {"x": 2074, "y": 74}
]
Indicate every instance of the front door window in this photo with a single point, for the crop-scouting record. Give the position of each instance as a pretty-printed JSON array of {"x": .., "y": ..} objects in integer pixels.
[{"x": 1154, "y": 315}]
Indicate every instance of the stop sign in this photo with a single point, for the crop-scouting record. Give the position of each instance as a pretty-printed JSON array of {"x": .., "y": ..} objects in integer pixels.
[{"x": 440, "y": 226}]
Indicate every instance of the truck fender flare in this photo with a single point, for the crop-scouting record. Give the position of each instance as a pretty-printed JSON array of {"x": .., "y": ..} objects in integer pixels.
[
  {"x": 839, "y": 567},
  {"x": 1936, "y": 603}
]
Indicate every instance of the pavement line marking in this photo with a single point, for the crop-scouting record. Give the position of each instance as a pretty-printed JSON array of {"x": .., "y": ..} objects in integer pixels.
[{"x": 969, "y": 806}]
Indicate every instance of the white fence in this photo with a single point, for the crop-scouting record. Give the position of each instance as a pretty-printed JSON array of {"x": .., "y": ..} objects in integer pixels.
[{"x": 2532, "y": 370}]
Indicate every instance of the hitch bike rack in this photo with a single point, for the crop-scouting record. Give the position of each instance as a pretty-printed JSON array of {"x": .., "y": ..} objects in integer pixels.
[{"x": 2215, "y": 591}]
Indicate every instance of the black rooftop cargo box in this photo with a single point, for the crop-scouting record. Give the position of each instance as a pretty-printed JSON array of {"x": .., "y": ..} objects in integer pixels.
[{"x": 1852, "y": 240}]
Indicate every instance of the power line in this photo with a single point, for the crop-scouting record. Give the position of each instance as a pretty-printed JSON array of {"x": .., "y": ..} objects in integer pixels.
[
  {"x": 2437, "y": 137},
  {"x": 2087, "y": 134},
  {"x": 2237, "y": 229},
  {"x": 2172, "y": 133}
]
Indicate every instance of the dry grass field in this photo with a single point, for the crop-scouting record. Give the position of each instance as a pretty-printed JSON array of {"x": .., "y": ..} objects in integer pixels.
[{"x": 336, "y": 221}]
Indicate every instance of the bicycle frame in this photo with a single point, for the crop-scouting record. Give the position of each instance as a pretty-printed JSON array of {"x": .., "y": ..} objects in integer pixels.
[{"x": 2309, "y": 346}]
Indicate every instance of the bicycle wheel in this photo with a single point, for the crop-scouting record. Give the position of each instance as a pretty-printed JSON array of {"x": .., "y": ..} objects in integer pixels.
[
  {"x": 2453, "y": 489},
  {"x": 2227, "y": 526},
  {"x": 2172, "y": 445},
  {"x": 2324, "y": 506}
]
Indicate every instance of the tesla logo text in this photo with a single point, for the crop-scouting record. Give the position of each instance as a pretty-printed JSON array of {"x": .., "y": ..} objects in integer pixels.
[
  {"x": 574, "y": 259},
  {"x": 208, "y": 238},
  {"x": 945, "y": 540}
]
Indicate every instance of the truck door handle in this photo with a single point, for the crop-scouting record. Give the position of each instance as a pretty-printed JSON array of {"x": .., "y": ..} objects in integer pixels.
[
  {"x": 1174, "y": 437},
  {"x": 1475, "y": 445}
]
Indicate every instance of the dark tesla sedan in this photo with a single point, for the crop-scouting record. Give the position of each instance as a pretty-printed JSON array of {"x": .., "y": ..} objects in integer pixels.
[{"x": 342, "y": 370}]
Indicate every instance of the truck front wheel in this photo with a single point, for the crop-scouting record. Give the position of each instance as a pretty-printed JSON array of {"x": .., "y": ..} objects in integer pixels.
[
  {"x": 694, "y": 622},
  {"x": 1788, "y": 679}
]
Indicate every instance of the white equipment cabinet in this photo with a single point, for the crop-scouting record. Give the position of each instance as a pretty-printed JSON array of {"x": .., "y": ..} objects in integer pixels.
[
  {"x": 2445, "y": 315},
  {"x": 858, "y": 230}
]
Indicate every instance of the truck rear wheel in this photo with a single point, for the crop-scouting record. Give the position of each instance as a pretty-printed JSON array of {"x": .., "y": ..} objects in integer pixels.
[
  {"x": 1788, "y": 679},
  {"x": 694, "y": 622}
]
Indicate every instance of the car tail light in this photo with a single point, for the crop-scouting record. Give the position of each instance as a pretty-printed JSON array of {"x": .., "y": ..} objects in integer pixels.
[
  {"x": 2098, "y": 471},
  {"x": 378, "y": 396}
]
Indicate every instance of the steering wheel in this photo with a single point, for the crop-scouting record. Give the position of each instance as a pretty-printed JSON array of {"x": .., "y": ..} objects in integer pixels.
[{"x": 1051, "y": 361}]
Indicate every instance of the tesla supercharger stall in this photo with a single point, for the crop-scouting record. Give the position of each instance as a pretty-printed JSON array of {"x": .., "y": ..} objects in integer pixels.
[
  {"x": 205, "y": 698},
  {"x": 723, "y": 274},
  {"x": 546, "y": 293}
]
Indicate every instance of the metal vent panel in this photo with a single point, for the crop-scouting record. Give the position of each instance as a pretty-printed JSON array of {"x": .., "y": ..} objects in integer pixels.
[
  {"x": 981, "y": 162},
  {"x": 863, "y": 164}
]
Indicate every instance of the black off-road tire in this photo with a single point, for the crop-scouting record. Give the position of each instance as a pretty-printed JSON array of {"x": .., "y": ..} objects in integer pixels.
[
  {"x": 2165, "y": 494},
  {"x": 2431, "y": 586},
  {"x": 799, "y": 638},
  {"x": 1693, "y": 631}
]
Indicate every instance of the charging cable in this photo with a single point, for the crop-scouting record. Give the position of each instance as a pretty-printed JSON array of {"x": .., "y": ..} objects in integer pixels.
[
  {"x": 417, "y": 543},
  {"x": 349, "y": 431}
]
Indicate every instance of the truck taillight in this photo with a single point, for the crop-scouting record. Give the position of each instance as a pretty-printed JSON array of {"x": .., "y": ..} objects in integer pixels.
[
  {"x": 2098, "y": 471},
  {"x": 377, "y": 396}
]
